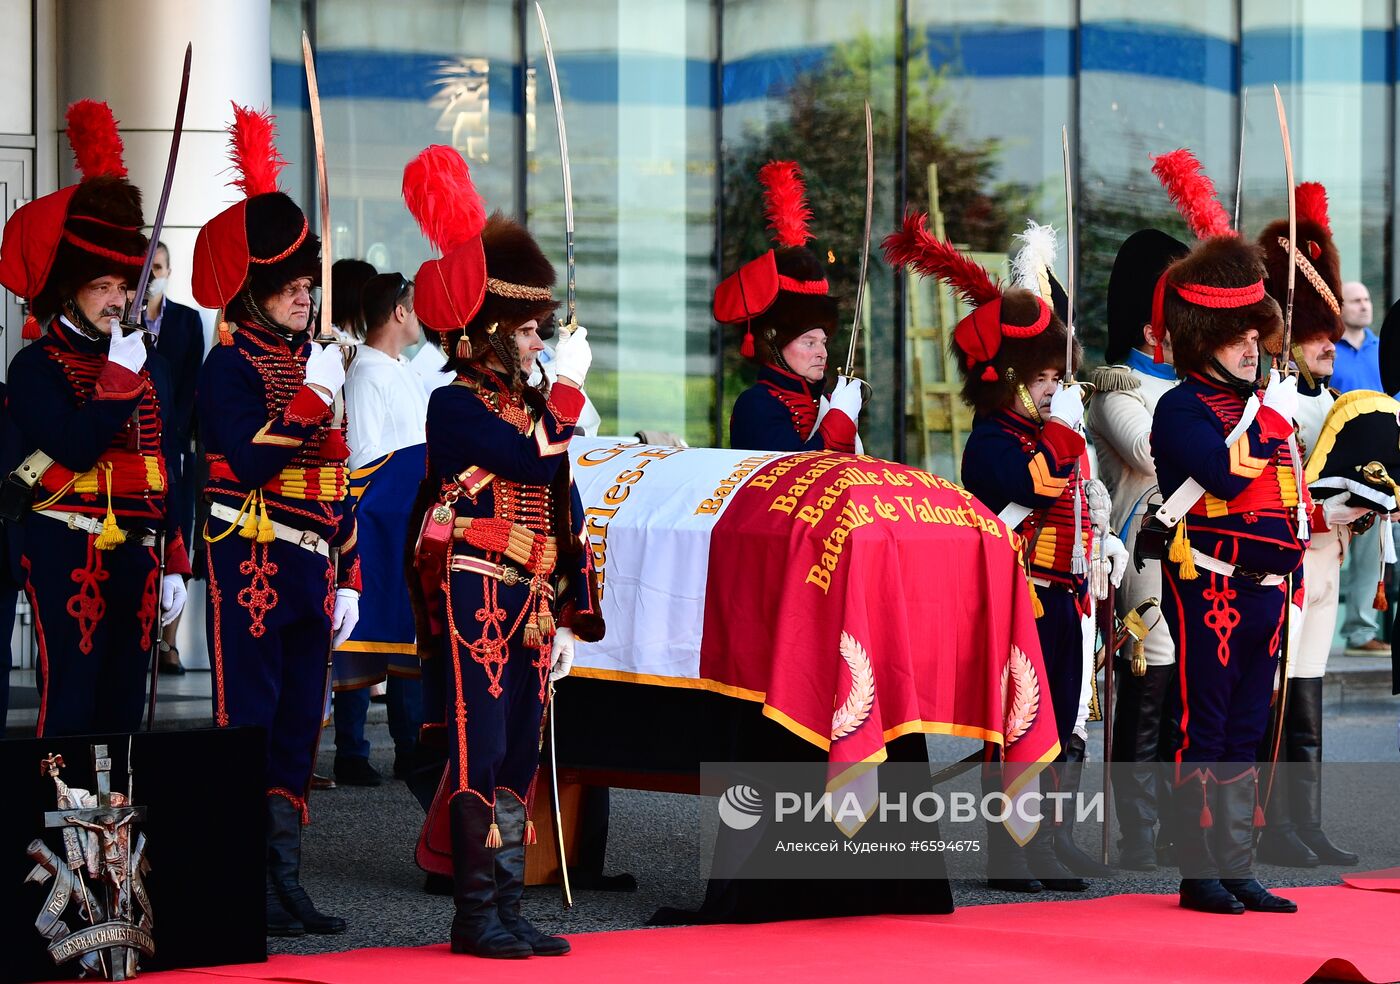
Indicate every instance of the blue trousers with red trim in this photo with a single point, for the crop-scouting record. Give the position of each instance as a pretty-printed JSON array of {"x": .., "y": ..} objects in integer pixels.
[
  {"x": 269, "y": 631},
  {"x": 1227, "y": 633},
  {"x": 502, "y": 692},
  {"x": 94, "y": 615},
  {"x": 1062, "y": 648}
]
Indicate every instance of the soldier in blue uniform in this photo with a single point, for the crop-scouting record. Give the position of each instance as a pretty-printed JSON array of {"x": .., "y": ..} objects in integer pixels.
[
  {"x": 1023, "y": 460},
  {"x": 1225, "y": 582},
  {"x": 785, "y": 305},
  {"x": 282, "y": 565},
  {"x": 501, "y": 567},
  {"x": 88, "y": 415}
]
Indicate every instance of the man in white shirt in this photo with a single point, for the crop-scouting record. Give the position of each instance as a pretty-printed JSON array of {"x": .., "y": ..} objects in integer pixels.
[{"x": 386, "y": 409}]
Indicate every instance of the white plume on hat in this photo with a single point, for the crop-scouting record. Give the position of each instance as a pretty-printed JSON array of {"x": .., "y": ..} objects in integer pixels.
[{"x": 1035, "y": 259}]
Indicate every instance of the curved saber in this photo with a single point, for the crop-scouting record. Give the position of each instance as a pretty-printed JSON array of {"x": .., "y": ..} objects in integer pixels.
[
  {"x": 558, "y": 812},
  {"x": 1292, "y": 228},
  {"x": 323, "y": 189},
  {"x": 865, "y": 243},
  {"x": 1239, "y": 174},
  {"x": 570, "y": 299},
  {"x": 1069, "y": 255},
  {"x": 138, "y": 297}
]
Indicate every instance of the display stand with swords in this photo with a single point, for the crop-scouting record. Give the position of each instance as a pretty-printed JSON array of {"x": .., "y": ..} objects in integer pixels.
[
  {"x": 133, "y": 321},
  {"x": 565, "y": 330}
]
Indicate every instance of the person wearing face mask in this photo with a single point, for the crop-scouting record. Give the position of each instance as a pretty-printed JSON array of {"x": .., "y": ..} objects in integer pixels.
[
  {"x": 283, "y": 568},
  {"x": 1293, "y": 835},
  {"x": 785, "y": 305},
  {"x": 179, "y": 338},
  {"x": 503, "y": 582},
  {"x": 387, "y": 408},
  {"x": 1023, "y": 459},
  {"x": 1225, "y": 464},
  {"x": 88, "y": 407}
]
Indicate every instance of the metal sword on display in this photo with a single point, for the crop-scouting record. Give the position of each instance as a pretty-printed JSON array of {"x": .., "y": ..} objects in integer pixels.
[
  {"x": 1239, "y": 172},
  {"x": 865, "y": 242},
  {"x": 323, "y": 189},
  {"x": 1079, "y": 563},
  {"x": 138, "y": 298},
  {"x": 570, "y": 308},
  {"x": 570, "y": 297}
]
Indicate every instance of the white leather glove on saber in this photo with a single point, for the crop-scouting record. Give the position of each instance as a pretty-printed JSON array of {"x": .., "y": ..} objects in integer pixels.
[
  {"x": 325, "y": 369},
  {"x": 562, "y": 657},
  {"x": 127, "y": 351},
  {"x": 346, "y": 614},
  {"x": 846, "y": 398},
  {"x": 573, "y": 356},
  {"x": 1067, "y": 406},
  {"x": 172, "y": 598},
  {"x": 1117, "y": 555},
  {"x": 1281, "y": 395}
]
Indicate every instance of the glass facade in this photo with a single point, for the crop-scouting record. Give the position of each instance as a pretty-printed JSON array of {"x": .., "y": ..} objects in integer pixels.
[{"x": 673, "y": 104}]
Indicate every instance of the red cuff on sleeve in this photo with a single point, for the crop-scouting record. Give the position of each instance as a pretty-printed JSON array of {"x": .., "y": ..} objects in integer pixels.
[
  {"x": 1317, "y": 521},
  {"x": 307, "y": 407},
  {"x": 177, "y": 558},
  {"x": 117, "y": 382},
  {"x": 1065, "y": 443},
  {"x": 350, "y": 577},
  {"x": 565, "y": 403},
  {"x": 1273, "y": 426},
  {"x": 838, "y": 432}
]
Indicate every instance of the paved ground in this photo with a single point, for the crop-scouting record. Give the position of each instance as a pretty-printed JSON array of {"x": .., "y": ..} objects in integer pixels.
[{"x": 359, "y": 848}]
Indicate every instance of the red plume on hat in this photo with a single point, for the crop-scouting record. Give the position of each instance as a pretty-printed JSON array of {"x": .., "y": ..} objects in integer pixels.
[
  {"x": 1008, "y": 327},
  {"x": 79, "y": 232},
  {"x": 1193, "y": 193},
  {"x": 438, "y": 190},
  {"x": 253, "y": 150},
  {"x": 1310, "y": 198},
  {"x": 97, "y": 146},
  {"x": 785, "y": 203}
]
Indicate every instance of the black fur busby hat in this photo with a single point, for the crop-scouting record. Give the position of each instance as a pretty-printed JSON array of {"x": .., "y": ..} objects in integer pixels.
[
  {"x": 1317, "y": 289},
  {"x": 1215, "y": 293},
  {"x": 784, "y": 293}
]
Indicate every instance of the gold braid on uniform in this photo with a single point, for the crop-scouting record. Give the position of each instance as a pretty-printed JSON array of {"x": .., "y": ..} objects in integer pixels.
[{"x": 518, "y": 292}]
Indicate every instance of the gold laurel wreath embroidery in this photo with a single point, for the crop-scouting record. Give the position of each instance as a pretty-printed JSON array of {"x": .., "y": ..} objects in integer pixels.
[
  {"x": 852, "y": 714},
  {"x": 1022, "y": 704}
]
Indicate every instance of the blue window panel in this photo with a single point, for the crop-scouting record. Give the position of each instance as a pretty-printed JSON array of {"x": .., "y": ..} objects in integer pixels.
[{"x": 1160, "y": 52}]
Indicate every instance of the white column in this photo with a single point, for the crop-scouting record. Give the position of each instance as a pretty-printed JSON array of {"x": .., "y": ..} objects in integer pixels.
[{"x": 129, "y": 53}]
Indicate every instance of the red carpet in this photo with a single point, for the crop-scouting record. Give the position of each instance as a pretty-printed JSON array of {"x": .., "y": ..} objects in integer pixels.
[
  {"x": 1339, "y": 932},
  {"x": 1384, "y": 880}
]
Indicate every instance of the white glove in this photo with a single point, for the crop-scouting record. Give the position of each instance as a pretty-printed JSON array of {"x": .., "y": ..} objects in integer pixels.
[
  {"x": 325, "y": 368},
  {"x": 1336, "y": 512},
  {"x": 1281, "y": 395},
  {"x": 846, "y": 397},
  {"x": 172, "y": 598},
  {"x": 345, "y": 616},
  {"x": 1067, "y": 406},
  {"x": 1117, "y": 555},
  {"x": 573, "y": 356},
  {"x": 127, "y": 351},
  {"x": 561, "y": 659}
]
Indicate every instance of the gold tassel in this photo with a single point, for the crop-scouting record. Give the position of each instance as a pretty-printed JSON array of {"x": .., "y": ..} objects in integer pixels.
[
  {"x": 1139, "y": 661},
  {"x": 1380, "y": 603},
  {"x": 266, "y": 532},
  {"x": 532, "y": 637},
  {"x": 1037, "y": 609},
  {"x": 112, "y": 535},
  {"x": 493, "y": 836},
  {"x": 225, "y": 333},
  {"x": 530, "y": 837},
  {"x": 1180, "y": 553}
]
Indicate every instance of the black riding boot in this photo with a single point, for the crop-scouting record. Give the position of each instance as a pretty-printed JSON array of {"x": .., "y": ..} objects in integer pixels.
[
  {"x": 284, "y": 875},
  {"x": 1305, "y": 770},
  {"x": 1066, "y": 849},
  {"x": 1196, "y": 814},
  {"x": 1278, "y": 839},
  {"x": 476, "y": 926},
  {"x": 510, "y": 879},
  {"x": 1040, "y": 851},
  {"x": 280, "y": 922},
  {"x": 1006, "y": 860},
  {"x": 1234, "y": 845},
  {"x": 1137, "y": 735}
]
